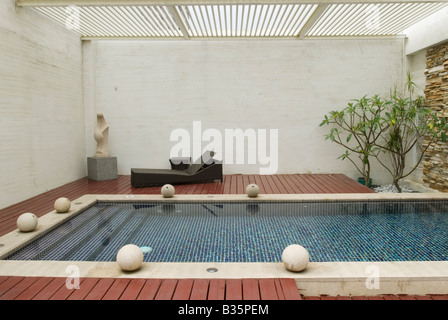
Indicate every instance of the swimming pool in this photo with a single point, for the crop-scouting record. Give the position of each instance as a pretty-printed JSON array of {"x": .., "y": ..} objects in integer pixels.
[{"x": 254, "y": 231}]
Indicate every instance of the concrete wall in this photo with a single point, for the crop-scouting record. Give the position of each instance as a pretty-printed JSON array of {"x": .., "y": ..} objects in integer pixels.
[
  {"x": 148, "y": 89},
  {"x": 41, "y": 108},
  {"x": 416, "y": 65}
]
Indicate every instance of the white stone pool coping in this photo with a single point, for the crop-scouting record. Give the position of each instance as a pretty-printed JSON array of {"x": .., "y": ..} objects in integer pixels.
[{"x": 332, "y": 278}]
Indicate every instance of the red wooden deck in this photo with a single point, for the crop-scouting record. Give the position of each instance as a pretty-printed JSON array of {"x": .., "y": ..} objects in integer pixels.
[
  {"x": 50, "y": 288},
  {"x": 34, "y": 288}
]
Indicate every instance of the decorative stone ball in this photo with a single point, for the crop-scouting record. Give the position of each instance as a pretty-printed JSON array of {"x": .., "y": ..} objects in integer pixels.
[
  {"x": 252, "y": 190},
  {"x": 130, "y": 257},
  {"x": 295, "y": 258},
  {"x": 167, "y": 191},
  {"x": 27, "y": 222},
  {"x": 62, "y": 205}
]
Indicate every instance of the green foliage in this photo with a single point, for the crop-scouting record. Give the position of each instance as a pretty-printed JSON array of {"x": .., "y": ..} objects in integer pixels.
[
  {"x": 409, "y": 121},
  {"x": 357, "y": 128},
  {"x": 371, "y": 126}
]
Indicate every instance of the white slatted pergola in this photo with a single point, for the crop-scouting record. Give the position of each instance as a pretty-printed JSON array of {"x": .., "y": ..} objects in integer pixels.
[{"x": 213, "y": 19}]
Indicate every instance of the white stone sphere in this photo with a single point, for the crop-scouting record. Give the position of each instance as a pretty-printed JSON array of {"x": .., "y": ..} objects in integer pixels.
[
  {"x": 27, "y": 222},
  {"x": 130, "y": 257},
  {"x": 252, "y": 190},
  {"x": 62, "y": 205},
  {"x": 167, "y": 191},
  {"x": 295, "y": 258}
]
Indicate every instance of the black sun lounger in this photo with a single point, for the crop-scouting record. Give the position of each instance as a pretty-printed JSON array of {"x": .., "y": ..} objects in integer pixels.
[{"x": 197, "y": 172}]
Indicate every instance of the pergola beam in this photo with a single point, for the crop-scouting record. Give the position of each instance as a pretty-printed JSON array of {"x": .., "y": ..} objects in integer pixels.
[
  {"x": 178, "y": 21},
  {"x": 312, "y": 20},
  {"x": 231, "y": 38},
  {"x": 62, "y": 3}
]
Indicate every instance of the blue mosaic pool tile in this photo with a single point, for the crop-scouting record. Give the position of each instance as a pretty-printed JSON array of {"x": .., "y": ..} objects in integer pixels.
[{"x": 256, "y": 232}]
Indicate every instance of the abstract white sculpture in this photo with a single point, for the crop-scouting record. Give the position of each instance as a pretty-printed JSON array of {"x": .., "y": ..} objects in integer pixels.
[
  {"x": 130, "y": 257},
  {"x": 252, "y": 190},
  {"x": 295, "y": 258},
  {"x": 27, "y": 222},
  {"x": 62, "y": 205},
  {"x": 167, "y": 191},
  {"x": 101, "y": 136}
]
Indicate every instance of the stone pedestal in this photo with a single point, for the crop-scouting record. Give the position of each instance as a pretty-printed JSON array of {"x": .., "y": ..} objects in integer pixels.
[{"x": 100, "y": 169}]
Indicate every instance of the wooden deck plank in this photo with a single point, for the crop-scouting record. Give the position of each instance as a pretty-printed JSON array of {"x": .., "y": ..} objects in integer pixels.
[
  {"x": 98, "y": 292},
  {"x": 9, "y": 283},
  {"x": 240, "y": 188},
  {"x": 266, "y": 185},
  {"x": 180, "y": 189},
  {"x": 183, "y": 289},
  {"x": 133, "y": 289},
  {"x": 245, "y": 183},
  {"x": 199, "y": 290},
  {"x": 217, "y": 289},
  {"x": 150, "y": 289},
  {"x": 278, "y": 286},
  {"x": 358, "y": 188},
  {"x": 206, "y": 188},
  {"x": 302, "y": 184},
  {"x": 33, "y": 290},
  {"x": 282, "y": 184},
  {"x": 166, "y": 289},
  {"x": 308, "y": 180},
  {"x": 292, "y": 183},
  {"x": 63, "y": 292},
  {"x": 226, "y": 184},
  {"x": 337, "y": 184},
  {"x": 234, "y": 289},
  {"x": 289, "y": 289},
  {"x": 320, "y": 183},
  {"x": 84, "y": 288},
  {"x": 52, "y": 286},
  {"x": 268, "y": 290},
  {"x": 116, "y": 289},
  {"x": 3, "y": 279},
  {"x": 192, "y": 188},
  {"x": 276, "y": 186},
  {"x": 256, "y": 180},
  {"x": 334, "y": 185},
  {"x": 233, "y": 186},
  {"x": 18, "y": 288},
  {"x": 250, "y": 289}
]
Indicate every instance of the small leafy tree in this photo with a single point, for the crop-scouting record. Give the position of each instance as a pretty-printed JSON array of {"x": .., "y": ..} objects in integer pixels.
[
  {"x": 407, "y": 120},
  {"x": 357, "y": 128}
]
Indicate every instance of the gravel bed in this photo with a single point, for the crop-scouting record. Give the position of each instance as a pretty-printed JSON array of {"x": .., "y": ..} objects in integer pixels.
[{"x": 390, "y": 188}]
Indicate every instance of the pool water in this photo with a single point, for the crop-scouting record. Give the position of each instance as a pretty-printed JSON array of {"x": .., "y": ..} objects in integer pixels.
[{"x": 249, "y": 232}]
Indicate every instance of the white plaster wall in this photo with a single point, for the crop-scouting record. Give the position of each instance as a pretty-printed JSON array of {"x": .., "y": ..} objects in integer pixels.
[
  {"x": 416, "y": 65},
  {"x": 148, "y": 89},
  {"x": 42, "y": 138}
]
